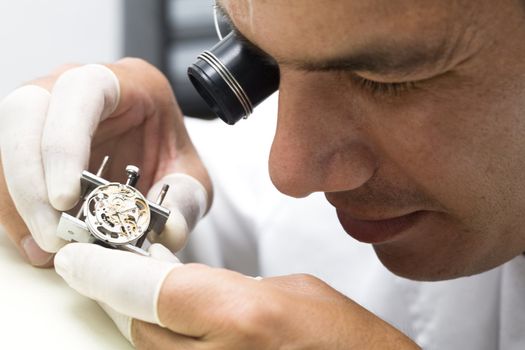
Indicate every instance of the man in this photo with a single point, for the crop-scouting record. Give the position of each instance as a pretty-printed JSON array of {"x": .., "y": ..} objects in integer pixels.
[{"x": 407, "y": 115}]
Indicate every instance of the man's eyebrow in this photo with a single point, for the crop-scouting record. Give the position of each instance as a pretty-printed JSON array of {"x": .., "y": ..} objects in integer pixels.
[{"x": 380, "y": 58}]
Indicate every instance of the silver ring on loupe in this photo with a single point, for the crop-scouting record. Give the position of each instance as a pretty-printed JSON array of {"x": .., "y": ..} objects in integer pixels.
[{"x": 234, "y": 85}]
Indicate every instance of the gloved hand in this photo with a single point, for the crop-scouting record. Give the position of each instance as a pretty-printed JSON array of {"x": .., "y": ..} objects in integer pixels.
[
  {"x": 165, "y": 305},
  {"x": 55, "y": 127},
  {"x": 159, "y": 269}
]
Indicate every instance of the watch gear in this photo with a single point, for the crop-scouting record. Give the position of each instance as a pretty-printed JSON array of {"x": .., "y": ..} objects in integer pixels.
[
  {"x": 113, "y": 214},
  {"x": 117, "y": 213}
]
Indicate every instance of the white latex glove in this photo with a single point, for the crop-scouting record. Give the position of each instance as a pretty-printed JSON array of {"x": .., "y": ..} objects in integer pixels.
[
  {"x": 187, "y": 199},
  {"x": 60, "y": 125},
  {"x": 126, "y": 285},
  {"x": 147, "y": 286},
  {"x": 44, "y": 147}
]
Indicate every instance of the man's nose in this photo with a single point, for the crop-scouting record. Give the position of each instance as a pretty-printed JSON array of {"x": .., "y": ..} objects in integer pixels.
[{"x": 321, "y": 143}]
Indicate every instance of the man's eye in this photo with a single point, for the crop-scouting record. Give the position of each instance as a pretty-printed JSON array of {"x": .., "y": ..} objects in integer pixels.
[{"x": 388, "y": 89}]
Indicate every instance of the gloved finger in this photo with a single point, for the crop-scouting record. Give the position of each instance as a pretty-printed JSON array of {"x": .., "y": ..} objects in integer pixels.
[
  {"x": 127, "y": 282},
  {"x": 144, "y": 335},
  {"x": 81, "y": 98},
  {"x": 17, "y": 230},
  {"x": 22, "y": 118},
  {"x": 188, "y": 201},
  {"x": 160, "y": 252},
  {"x": 124, "y": 322}
]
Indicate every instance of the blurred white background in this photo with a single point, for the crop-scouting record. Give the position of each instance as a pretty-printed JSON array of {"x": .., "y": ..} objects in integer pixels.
[{"x": 36, "y": 36}]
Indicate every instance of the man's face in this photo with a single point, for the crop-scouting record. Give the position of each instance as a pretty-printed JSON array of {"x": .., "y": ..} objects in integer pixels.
[{"x": 409, "y": 116}]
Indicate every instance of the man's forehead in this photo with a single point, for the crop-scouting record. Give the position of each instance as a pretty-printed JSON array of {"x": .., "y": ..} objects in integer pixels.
[{"x": 314, "y": 30}]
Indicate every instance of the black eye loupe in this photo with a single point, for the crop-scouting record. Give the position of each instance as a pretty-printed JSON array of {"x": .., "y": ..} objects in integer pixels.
[{"x": 233, "y": 78}]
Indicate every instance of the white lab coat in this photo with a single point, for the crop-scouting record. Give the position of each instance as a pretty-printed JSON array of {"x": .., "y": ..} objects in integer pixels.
[{"x": 254, "y": 229}]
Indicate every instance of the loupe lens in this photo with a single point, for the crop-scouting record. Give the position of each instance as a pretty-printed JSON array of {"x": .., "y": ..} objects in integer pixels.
[{"x": 233, "y": 78}]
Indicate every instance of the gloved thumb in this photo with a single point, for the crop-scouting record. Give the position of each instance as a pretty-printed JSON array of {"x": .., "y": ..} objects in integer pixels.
[
  {"x": 124, "y": 322},
  {"x": 188, "y": 200}
]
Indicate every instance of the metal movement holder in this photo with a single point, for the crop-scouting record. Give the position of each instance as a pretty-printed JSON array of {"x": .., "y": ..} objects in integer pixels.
[{"x": 77, "y": 228}]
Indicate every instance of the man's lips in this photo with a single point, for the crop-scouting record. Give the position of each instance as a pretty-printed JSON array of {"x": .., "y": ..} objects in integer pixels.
[{"x": 378, "y": 231}]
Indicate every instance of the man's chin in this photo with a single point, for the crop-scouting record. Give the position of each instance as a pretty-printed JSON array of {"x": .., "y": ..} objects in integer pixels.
[
  {"x": 423, "y": 262},
  {"x": 439, "y": 248},
  {"x": 415, "y": 267}
]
